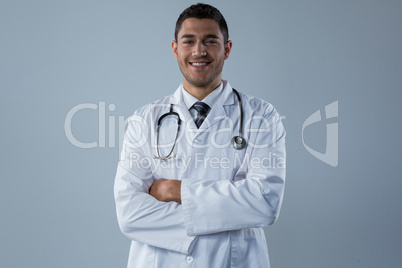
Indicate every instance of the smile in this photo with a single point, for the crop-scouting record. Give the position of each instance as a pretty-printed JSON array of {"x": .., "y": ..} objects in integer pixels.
[{"x": 199, "y": 65}]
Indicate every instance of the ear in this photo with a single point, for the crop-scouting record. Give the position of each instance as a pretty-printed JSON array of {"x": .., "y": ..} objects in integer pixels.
[
  {"x": 174, "y": 48},
  {"x": 228, "y": 48}
]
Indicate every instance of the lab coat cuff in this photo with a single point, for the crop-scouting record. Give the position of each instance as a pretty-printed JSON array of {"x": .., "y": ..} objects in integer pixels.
[{"x": 187, "y": 206}]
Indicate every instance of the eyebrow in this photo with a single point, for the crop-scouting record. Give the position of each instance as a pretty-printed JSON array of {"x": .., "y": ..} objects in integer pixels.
[{"x": 206, "y": 36}]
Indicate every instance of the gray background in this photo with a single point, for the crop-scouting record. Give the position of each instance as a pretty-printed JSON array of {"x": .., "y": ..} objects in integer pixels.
[{"x": 56, "y": 200}]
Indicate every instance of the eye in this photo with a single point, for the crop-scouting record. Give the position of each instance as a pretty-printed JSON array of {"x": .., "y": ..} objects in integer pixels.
[
  {"x": 211, "y": 42},
  {"x": 188, "y": 42}
]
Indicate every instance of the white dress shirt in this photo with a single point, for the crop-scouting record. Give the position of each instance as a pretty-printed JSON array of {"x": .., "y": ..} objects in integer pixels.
[{"x": 210, "y": 100}]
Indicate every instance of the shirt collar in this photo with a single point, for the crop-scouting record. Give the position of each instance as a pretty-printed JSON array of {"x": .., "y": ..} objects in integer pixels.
[{"x": 211, "y": 99}]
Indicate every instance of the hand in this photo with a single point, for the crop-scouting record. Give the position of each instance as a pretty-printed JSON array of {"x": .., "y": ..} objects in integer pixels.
[{"x": 166, "y": 190}]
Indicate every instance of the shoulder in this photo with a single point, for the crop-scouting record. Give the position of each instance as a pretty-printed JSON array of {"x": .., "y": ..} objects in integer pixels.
[
  {"x": 258, "y": 107},
  {"x": 148, "y": 109},
  {"x": 144, "y": 118},
  {"x": 261, "y": 116}
]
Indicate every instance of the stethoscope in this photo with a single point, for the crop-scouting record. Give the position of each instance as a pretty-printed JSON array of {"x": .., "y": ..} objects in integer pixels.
[{"x": 237, "y": 142}]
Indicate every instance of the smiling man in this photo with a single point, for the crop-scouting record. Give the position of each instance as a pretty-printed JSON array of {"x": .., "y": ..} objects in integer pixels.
[
  {"x": 201, "y": 49},
  {"x": 202, "y": 170}
]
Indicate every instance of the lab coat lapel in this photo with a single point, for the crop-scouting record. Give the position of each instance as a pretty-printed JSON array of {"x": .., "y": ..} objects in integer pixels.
[
  {"x": 177, "y": 100},
  {"x": 188, "y": 124},
  {"x": 218, "y": 111}
]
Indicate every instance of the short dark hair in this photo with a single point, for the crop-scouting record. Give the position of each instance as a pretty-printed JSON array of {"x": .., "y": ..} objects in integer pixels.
[{"x": 203, "y": 11}]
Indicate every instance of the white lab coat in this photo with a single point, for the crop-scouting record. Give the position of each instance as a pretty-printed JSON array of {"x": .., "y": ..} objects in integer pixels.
[{"x": 227, "y": 195}]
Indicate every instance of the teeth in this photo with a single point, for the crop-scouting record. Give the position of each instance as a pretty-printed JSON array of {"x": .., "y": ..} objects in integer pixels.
[{"x": 199, "y": 63}]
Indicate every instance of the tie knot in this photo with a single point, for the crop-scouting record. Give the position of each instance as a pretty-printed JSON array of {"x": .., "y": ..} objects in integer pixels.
[{"x": 201, "y": 107}]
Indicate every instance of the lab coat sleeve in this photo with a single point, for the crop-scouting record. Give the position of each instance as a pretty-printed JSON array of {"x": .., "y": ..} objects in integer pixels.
[
  {"x": 251, "y": 199},
  {"x": 141, "y": 217}
]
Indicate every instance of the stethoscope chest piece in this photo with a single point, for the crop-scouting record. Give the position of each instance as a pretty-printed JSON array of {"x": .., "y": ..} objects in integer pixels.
[{"x": 238, "y": 142}]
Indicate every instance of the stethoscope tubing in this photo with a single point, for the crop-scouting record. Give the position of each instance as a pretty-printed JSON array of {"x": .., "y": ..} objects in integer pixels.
[{"x": 237, "y": 142}]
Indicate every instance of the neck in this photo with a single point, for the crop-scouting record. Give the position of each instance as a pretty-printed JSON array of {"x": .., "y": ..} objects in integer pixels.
[{"x": 200, "y": 92}]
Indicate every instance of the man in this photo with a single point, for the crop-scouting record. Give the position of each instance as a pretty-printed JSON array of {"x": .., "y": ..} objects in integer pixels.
[{"x": 184, "y": 195}]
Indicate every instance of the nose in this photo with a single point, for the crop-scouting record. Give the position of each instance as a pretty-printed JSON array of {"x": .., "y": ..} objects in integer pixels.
[{"x": 199, "y": 50}]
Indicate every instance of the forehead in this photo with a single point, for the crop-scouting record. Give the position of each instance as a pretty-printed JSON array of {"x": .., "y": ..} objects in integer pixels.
[{"x": 200, "y": 27}]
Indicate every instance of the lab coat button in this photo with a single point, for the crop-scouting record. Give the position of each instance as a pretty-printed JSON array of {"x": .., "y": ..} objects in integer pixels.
[{"x": 189, "y": 259}]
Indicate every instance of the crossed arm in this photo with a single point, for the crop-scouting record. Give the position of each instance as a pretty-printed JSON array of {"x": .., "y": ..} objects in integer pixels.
[{"x": 166, "y": 190}]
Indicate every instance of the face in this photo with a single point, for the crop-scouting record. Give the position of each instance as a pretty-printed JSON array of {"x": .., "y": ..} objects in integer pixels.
[{"x": 200, "y": 52}]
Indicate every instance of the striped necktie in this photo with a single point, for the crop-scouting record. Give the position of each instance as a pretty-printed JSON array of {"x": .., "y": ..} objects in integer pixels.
[{"x": 202, "y": 111}]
